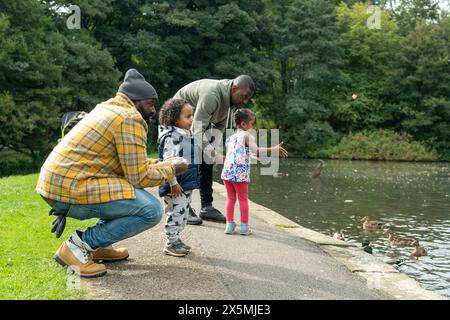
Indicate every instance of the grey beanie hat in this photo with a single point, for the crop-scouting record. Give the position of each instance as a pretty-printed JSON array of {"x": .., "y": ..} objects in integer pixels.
[{"x": 135, "y": 87}]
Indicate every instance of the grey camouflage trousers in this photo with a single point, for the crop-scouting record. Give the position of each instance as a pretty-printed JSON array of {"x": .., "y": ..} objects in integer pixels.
[{"x": 177, "y": 211}]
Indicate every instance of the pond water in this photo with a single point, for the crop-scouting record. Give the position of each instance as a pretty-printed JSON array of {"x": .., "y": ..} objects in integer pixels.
[{"x": 413, "y": 199}]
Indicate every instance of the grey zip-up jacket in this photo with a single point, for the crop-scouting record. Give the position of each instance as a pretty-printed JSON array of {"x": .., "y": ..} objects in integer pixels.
[{"x": 212, "y": 102}]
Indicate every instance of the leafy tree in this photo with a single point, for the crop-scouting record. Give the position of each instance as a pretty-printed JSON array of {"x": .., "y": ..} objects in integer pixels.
[
  {"x": 45, "y": 70},
  {"x": 409, "y": 12},
  {"x": 176, "y": 42},
  {"x": 423, "y": 99},
  {"x": 308, "y": 57},
  {"x": 368, "y": 62}
]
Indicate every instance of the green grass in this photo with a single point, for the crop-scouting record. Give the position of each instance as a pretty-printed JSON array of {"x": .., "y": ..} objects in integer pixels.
[{"x": 27, "y": 268}]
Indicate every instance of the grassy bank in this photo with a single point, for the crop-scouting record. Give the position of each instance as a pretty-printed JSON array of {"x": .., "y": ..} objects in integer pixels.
[
  {"x": 382, "y": 145},
  {"x": 27, "y": 268}
]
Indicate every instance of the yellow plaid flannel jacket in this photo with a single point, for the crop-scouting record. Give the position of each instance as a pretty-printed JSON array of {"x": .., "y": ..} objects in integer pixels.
[{"x": 103, "y": 158}]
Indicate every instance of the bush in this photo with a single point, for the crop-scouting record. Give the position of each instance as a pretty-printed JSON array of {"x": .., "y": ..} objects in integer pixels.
[
  {"x": 381, "y": 145},
  {"x": 13, "y": 163}
]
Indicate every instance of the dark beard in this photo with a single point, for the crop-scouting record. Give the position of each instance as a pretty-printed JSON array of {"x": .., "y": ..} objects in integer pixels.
[{"x": 147, "y": 116}]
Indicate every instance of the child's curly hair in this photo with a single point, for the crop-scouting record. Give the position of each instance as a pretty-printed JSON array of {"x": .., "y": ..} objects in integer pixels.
[
  {"x": 242, "y": 115},
  {"x": 170, "y": 112}
]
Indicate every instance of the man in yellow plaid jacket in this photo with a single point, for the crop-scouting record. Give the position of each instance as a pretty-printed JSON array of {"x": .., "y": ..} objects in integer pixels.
[{"x": 99, "y": 170}]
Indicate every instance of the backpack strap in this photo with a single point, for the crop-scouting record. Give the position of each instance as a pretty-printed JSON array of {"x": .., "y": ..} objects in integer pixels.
[{"x": 162, "y": 141}]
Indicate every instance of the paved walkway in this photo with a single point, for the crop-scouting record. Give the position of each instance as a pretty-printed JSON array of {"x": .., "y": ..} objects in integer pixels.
[{"x": 272, "y": 263}]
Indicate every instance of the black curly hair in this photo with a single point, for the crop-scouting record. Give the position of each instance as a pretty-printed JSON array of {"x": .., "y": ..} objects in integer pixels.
[
  {"x": 243, "y": 115},
  {"x": 170, "y": 112}
]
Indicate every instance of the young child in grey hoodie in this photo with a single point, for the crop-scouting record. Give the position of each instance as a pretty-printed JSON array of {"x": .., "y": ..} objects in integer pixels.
[{"x": 176, "y": 139}]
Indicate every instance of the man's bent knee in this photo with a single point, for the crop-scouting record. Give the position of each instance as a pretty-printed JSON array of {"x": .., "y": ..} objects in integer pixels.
[
  {"x": 152, "y": 214},
  {"x": 150, "y": 208}
]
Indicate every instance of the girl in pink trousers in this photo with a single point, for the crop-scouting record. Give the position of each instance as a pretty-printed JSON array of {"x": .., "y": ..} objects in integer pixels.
[{"x": 236, "y": 168}]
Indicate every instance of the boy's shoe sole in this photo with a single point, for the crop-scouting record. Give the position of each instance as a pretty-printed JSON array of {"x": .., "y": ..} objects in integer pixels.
[
  {"x": 60, "y": 261},
  {"x": 174, "y": 254}
]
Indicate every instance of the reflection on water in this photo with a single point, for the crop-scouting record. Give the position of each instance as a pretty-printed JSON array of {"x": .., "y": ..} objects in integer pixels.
[{"x": 412, "y": 198}]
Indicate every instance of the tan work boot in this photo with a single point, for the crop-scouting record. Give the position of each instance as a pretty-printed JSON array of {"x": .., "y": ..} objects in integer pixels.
[
  {"x": 109, "y": 254},
  {"x": 76, "y": 255}
]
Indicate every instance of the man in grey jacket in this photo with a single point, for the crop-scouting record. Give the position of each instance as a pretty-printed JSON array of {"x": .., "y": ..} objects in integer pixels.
[{"x": 213, "y": 101}]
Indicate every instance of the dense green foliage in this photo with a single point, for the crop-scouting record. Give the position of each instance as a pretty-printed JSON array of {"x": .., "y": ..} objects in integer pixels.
[
  {"x": 14, "y": 163},
  {"x": 322, "y": 73},
  {"x": 45, "y": 70},
  {"x": 380, "y": 145}
]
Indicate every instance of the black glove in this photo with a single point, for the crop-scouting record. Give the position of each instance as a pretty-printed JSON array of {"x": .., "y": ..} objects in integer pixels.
[{"x": 59, "y": 223}]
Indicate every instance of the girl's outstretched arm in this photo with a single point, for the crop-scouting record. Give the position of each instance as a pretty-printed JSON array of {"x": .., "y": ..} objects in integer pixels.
[{"x": 250, "y": 143}]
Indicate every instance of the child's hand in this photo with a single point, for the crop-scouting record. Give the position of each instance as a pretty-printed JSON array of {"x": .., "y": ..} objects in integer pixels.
[
  {"x": 176, "y": 190},
  {"x": 219, "y": 158},
  {"x": 280, "y": 150}
]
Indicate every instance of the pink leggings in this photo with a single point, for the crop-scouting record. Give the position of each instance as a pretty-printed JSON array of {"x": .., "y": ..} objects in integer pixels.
[{"x": 241, "y": 189}]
